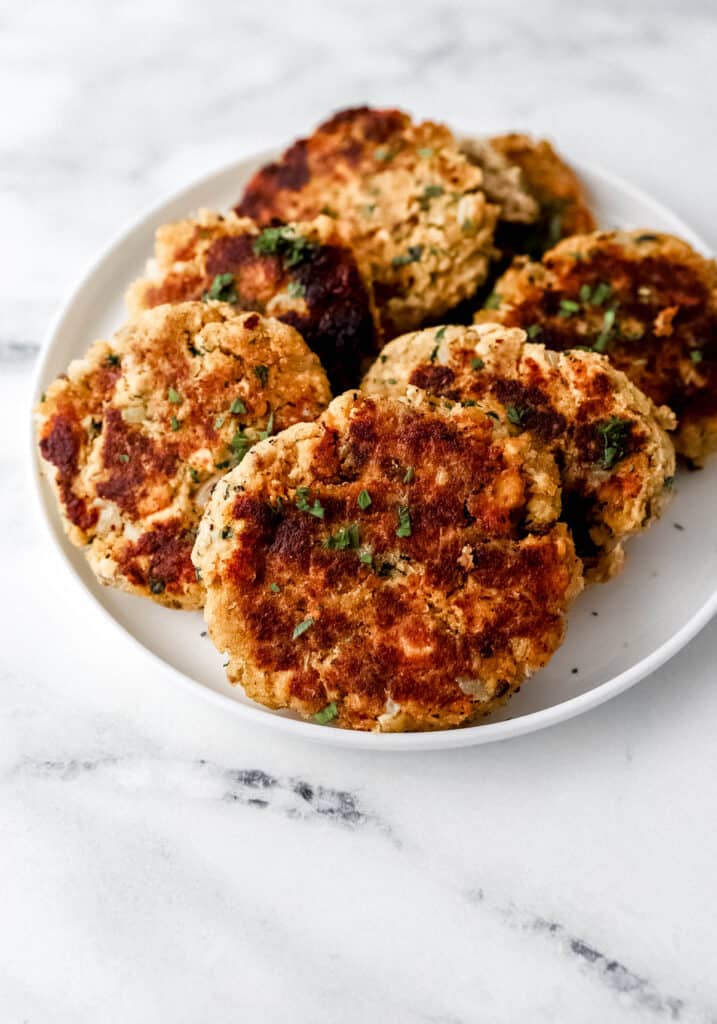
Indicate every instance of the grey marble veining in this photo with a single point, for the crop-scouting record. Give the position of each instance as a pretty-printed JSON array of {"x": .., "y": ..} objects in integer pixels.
[{"x": 162, "y": 861}]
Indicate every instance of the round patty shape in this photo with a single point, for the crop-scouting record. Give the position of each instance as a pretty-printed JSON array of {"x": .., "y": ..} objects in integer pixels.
[
  {"x": 136, "y": 433},
  {"x": 647, "y": 300},
  {"x": 394, "y": 566},
  {"x": 616, "y": 461},
  {"x": 410, "y": 202},
  {"x": 303, "y": 274},
  {"x": 560, "y": 202}
]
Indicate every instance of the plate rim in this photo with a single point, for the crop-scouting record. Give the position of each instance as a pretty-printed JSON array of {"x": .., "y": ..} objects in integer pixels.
[{"x": 474, "y": 735}]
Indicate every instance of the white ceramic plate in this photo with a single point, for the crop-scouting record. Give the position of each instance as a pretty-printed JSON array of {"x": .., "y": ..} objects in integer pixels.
[{"x": 618, "y": 633}]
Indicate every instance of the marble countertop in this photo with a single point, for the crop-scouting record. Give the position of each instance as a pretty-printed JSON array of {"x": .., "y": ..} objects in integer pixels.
[{"x": 161, "y": 861}]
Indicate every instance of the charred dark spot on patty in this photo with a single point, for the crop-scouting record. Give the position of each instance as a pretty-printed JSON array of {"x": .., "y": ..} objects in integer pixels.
[
  {"x": 436, "y": 379},
  {"x": 61, "y": 446},
  {"x": 535, "y": 411},
  {"x": 131, "y": 461},
  {"x": 161, "y": 559}
]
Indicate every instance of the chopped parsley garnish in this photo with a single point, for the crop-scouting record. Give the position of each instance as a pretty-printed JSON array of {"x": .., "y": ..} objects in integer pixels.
[
  {"x": 404, "y": 521},
  {"x": 269, "y": 430},
  {"x": 408, "y": 478},
  {"x": 411, "y": 255},
  {"x": 113, "y": 360},
  {"x": 608, "y": 323},
  {"x": 430, "y": 192},
  {"x": 669, "y": 482},
  {"x": 425, "y": 153},
  {"x": 493, "y": 415},
  {"x": 477, "y": 363},
  {"x": 174, "y": 423},
  {"x": 383, "y": 153},
  {"x": 614, "y": 434},
  {"x": 218, "y": 422},
  {"x": 568, "y": 307},
  {"x": 601, "y": 292},
  {"x": 440, "y": 333},
  {"x": 434, "y": 352},
  {"x": 364, "y": 500},
  {"x": 696, "y": 355},
  {"x": 198, "y": 574},
  {"x": 329, "y": 211},
  {"x": 296, "y": 289},
  {"x": 174, "y": 397},
  {"x": 534, "y": 330},
  {"x": 585, "y": 293},
  {"x": 262, "y": 374},
  {"x": 346, "y": 537},
  {"x": 493, "y": 301},
  {"x": 305, "y": 624},
  {"x": 303, "y": 496},
  {"x": 283, "y": 241},
  {"x": 193, "y": 475},
  {"x": 237, "y": 407},
  {"x": 366, "y": 557},
  {"x": 647, "y": 238},
  {"x": 123, "y": 458},
  {"x": 227, "y": 532},
  {"x": 156, "y": 585},
  {"x": 468, "y": 226},
  {"x": 240, "y": 445},
  {"x": 222, "y": 289},
  {"x": 515, "y": 415},
  {"x": 275, "y": 588},
  {"x": 326, "y": 714},
  {"x": 225, "y": 464}
]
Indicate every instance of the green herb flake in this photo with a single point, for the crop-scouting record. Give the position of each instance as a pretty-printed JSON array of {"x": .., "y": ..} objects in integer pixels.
[
  {"x": 434, "y": 352},
  {"x": 269, "y": 430},
  {"x": 493, "y": 415},
  {"x": 262, "y": 374},
  {"x": 326, "y": 714},
  {"x": 174, "y": 423},
  {"x": 493, "y": 301},
  {"x": 364, "y": 500},
  {"x": 156, "y": 586},
  {"x": 477, "y": 363},
  {"x": 284, "y": 242},
  {"x": 468, "y": 226},
  {"x": 384, "y": 154},
  {"x": 534, "y": 330},
  {"x": 194, "y": 475},
  {"x": 409, "y": 475},
  {"x": 222, "y": 289},
  {"x": 275, "y": 588},
  {"x": 603, "y": 337},
  {"x": 601, "y": 292},
  {"x": 329, "y": 211},
  {"x": 366, "y": 557},
  {"x": 224, "y": 464},
  {"x": 696, "y": 355},
  {"x": 302, "y": 499},
  {"x": 305, "y": 624},
  {"x": 585, "y": 293},
  {"x": 411, "y": 255},
  {"x": 426, "y": 152},
  {"x": 240, "y": 445},
  {"x": 123, "y": 458},
  {"x": 515, "y": 415},
  {"x": 614, "y": 434},
  {"x": 403, "y": 514},
  {"x": 296, "y": 289},
  {"x": 227, "y": 532},
  {"x": 345, "y": 538},
  {"x": 568, "y": 307},
  {"x": 441, "y": 333},
  {"x": 237, "y": 407},
  {"x": 218, "y": 422},
  {"x": 174, "y": 397},
  {"x": 430, "y": 192},
  {"x": 112, "y": 359}
]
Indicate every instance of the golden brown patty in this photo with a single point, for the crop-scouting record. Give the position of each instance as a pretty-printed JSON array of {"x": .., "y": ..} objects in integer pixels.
[
  {"x": 395, "y": 565},
  {"x": 560, "y": 205},
  {"x": 303, "y": 274},
  {"x": 410, "y": 202},
  {"x": 137, "y": 431},
  {"x": 647, "y": 300},
  {"x": 616, "y": 461}
]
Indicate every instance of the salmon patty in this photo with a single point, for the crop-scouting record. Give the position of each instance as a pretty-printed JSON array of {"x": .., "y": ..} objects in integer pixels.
[
  {"x": 396, "y": 565},
  {"x": 409, "y": 201},
  {"x": 517, "y": 166},
  {"x": 303, "y": 274},
  {"x": 135, "y": 434},
  {"x": 616, "y": 461},
  {"x": 647, "y": 300}
]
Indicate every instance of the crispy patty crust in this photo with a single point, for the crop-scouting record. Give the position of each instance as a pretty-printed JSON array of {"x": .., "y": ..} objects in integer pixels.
[
  {"x": 303, "y": 274},
  {"x": 616, "y": 461},
  {"x": 136, "y": 432},
  {"x": 647, "y": 300},
  {"x": 411, "y": 203},
  {"x": 396, "y": 565}
]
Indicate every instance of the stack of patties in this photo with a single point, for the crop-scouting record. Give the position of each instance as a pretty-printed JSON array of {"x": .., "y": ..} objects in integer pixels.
[{"x": 405, "y": 556}]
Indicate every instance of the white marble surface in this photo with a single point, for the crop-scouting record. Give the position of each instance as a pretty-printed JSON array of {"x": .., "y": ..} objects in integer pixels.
[{"x": 160, "y": 861}]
